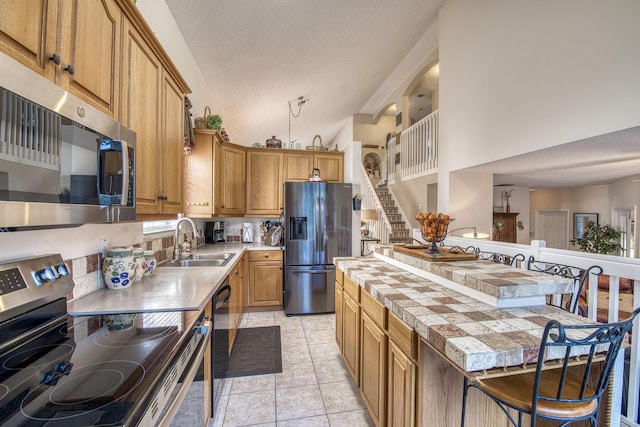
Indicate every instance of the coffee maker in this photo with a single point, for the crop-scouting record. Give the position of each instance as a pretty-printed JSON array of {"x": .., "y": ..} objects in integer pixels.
[{"x": 214, "y": 232}]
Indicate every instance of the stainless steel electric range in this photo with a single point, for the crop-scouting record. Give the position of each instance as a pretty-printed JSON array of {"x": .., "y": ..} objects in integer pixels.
[{"x": 121, "y": 369}]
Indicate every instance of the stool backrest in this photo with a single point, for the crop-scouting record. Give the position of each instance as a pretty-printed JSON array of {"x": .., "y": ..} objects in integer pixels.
[
  {"x": 578, "y": 275},
  {"x": 562, "y": 343}
]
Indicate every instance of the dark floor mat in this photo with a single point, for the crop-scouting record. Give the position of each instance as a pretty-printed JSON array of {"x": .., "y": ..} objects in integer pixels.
[{"x": 256, "y": 351}]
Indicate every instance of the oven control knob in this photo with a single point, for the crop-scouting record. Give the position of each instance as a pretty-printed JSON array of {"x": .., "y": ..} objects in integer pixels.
[
  {"x": 62, "y": 270},
  {"x": 47, "y": 274}
]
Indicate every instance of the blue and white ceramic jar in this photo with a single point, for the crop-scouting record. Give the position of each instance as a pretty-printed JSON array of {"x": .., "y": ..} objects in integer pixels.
[
  {"x": 150, "y": 258},
  {"x": 141, "y": 263},
  {"x": 119, "y": 268}
]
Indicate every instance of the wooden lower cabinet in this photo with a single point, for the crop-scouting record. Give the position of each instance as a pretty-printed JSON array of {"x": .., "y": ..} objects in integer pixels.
[
  {"x": 381, "y": 352},
  {"x": 373, "y": 364},
  {"x": 339, "y": 315},
  {"x": 351, "y": 337},
  {"x": 401, "y": 388},
  {"x": 265, "y": 278}
]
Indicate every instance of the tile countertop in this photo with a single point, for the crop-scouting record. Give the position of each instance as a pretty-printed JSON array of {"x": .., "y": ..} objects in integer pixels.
[
  {"x": 473, "y": 335},
  {"x": 167, "y": 289}
]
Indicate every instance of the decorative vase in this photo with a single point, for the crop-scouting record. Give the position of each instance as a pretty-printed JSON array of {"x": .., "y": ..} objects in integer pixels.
[
  {"x": 508, "y": 208},
  {"x": 150, "y": 257},
  {"x": 119, "y": 268},
  {"x": 141, "y": 263}
]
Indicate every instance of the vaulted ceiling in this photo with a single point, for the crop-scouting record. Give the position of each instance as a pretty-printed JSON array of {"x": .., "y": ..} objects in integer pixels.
[{"x": 256, "y": 56}]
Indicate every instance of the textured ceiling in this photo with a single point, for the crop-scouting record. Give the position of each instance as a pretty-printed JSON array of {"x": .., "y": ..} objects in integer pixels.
[{"x": 258, "y": 55}]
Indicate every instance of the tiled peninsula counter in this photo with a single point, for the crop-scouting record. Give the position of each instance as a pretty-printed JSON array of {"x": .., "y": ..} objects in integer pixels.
[{"x": 455, "y": 334}]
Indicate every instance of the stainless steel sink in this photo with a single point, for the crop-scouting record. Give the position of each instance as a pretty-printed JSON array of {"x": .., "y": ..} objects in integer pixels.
[
  {"x": 224, "y": 256},
  {"x": 200, "y": 260}
]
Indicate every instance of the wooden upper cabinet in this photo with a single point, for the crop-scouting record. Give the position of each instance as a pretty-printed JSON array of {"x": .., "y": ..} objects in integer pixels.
[
  {"x": 172, "y": 145},
  {"x": 264, "y": 183},
  {"x": 231, "y": 177},
  {"x": 141, "y": 86},
  {"x": 28, "y": 33},
  {"x": 84, "y": 37},
  {"x": 298, "y": 166},
  {"x": 214, "y": 177},
  {"x": 90, "y": 52},
  {"x": 331, "y": 166}
]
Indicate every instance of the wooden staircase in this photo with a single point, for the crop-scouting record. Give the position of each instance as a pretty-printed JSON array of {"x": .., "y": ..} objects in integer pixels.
[{"x": 400, "y": 233}]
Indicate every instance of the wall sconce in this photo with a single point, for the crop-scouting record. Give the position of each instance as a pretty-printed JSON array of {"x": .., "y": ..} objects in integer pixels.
[
  {"x": 474, "y": 235},
  {"x": 368, "y": 215}
]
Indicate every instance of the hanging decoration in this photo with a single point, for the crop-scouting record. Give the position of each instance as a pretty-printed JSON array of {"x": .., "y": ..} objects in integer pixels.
[
  {"x": 300, "y": 101},
  {"x": 189, "y": 137}
]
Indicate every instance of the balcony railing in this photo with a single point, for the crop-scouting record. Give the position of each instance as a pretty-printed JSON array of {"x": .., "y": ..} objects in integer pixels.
[
  {"x": 391, "y": 161},
  {"x": 419, "y": 148}
]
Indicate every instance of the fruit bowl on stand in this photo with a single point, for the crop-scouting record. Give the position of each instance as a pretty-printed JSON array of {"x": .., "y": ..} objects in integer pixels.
[{"x": 434, "y": 229}]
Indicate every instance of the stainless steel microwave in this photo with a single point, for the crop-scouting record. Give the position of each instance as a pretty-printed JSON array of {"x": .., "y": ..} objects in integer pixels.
[{"x": 62, "y": 162}]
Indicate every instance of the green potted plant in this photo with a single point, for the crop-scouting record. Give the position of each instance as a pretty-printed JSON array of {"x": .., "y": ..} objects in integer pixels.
[
  {"x": 214, "y": 121},
  {"x": 598, "y": 239}
]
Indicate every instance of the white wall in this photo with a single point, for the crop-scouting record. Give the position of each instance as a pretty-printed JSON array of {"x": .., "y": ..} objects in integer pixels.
[
  {"x": 69, "y": 242},
  {"x": 521, "y": 76}
]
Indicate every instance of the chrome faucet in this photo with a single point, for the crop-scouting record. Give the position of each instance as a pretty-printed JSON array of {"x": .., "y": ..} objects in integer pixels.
[{"x": 194, "y": 230}]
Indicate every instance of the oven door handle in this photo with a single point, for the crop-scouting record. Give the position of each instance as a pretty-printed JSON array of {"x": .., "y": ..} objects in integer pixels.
[{"x": 166, "y": 420}]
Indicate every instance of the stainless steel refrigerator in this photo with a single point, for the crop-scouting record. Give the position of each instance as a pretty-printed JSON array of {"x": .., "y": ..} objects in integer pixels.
[{"x": 317, "y": 224}]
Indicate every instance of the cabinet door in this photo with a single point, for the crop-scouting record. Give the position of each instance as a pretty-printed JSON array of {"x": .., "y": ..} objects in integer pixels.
[
  {"x": 297, "y": 167},
  {"x": 232, "y": 180},
  {"x": 198, "y": 178},
  {"x": 331, "y": 166},
  {"x": 265, "y": 283},
  {"x": 28, "y": 33},
  {"x": 171, "y": 145},
  {"x": 401, "y": 389},
  {"x": 264, "y": 183},
  {"x": 234, "y": 305},
  {"x": 351, "y": 337},
  {"x": 339, "y": 315},
  {"x": 91, "y": 46},
  {"x": 373, "y": 366},
  {"x": 141, "y": 113}
]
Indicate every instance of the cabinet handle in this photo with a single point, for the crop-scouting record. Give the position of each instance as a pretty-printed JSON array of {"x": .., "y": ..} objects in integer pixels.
[
  {"x": 222, "y": 207},
  {"x": 70, "y": 69},
  {"x": 162, "y": 197},
  {"x": 266, "y": 255},
  {"x": 55, "y": 58}
]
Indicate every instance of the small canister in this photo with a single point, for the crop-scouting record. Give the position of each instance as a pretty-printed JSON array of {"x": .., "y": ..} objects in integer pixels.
[
  {"x": 119, "y": 268},
  {"x": 141, "y": 263},
  {"x": 150, "y": 257}
]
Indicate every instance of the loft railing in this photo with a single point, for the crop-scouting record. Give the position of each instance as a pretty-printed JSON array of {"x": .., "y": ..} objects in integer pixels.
[
  {"x": 391, "y": 161},
  {"x": 380, "y": 228},
  {"x": 613, "y": 266},
  {"x": 419, "y": 148}
]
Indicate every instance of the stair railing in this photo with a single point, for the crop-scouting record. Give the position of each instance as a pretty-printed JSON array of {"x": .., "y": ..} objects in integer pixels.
[
  {"x": 380, "y": 228},
  {"x": 404, "y": 216}
]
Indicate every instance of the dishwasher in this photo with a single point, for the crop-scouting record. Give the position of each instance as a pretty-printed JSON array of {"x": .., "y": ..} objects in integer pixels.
[{"x": 219, "y": 343}]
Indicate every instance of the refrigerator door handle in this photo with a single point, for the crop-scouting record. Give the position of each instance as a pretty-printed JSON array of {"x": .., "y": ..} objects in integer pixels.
[
  {"x": 317, "y": 227},
  {"x": 323, "y": 219}
]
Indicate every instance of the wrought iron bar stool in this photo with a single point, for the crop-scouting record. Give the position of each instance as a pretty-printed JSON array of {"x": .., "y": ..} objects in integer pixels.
[{"x": 552, "y": 391}]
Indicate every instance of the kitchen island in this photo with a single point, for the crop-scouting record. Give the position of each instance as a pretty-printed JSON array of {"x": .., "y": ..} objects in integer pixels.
[{"x": 455, "y": 334}]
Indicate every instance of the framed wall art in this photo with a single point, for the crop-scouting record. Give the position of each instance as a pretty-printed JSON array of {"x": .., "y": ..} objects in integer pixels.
[{"x": 580, "y": 220}]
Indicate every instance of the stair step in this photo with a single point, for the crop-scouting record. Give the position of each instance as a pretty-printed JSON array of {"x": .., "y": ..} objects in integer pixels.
[
  {"x": 387, "y": 204},
  {"x": 385, "y": 197},
  {"x": 394, "y": 217},
  {"x": 391, "y": 210}
]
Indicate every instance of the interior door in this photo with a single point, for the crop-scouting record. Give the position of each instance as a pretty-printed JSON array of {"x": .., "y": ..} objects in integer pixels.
[{"x": 553, "y": 228}]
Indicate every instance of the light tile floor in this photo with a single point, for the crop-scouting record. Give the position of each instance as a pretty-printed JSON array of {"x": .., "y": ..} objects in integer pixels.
[{"x": 314, "y": 388}]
